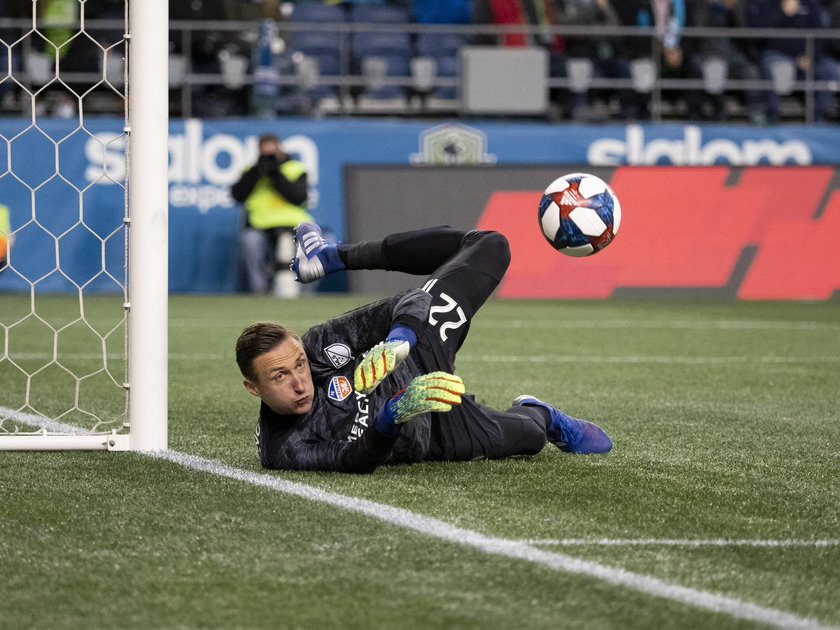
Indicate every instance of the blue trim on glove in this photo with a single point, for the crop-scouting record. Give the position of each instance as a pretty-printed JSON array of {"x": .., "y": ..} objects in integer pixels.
[
  {"x": 385, "y": 418},
  {"x": 401, "y": 332}
]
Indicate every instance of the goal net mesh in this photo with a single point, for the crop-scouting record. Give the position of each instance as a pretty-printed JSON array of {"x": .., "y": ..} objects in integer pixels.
[{"x": 63, "y": 226}]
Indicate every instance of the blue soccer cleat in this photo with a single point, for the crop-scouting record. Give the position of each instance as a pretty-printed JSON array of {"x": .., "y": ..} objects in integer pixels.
[
  {"x": 570, "y": 434},
  {"x": 315, "y": 257}
]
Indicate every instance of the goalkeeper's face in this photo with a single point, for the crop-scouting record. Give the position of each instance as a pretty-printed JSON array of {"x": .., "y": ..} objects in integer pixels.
[{"x": 283, "y": 378}]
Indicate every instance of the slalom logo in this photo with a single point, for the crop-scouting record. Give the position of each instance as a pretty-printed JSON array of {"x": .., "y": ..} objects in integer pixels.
[
  {"x": 201, "y": 169},
  {"x": 634, "y": 149},
  {"x": 338, "y": 354},
  {"x": 339, "y": 388}
]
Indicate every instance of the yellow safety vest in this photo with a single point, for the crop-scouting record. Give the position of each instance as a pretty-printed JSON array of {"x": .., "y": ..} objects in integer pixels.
[
  {"x": 59, "y": 18},
  {"x": 269, "y": 209},
  {"x": 5, "y": 232}
]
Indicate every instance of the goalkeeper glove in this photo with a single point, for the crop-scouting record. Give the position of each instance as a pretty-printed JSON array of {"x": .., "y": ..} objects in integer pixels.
[
  {"x": 436, "y": 391},
  {"x": 383, "y": 358}
]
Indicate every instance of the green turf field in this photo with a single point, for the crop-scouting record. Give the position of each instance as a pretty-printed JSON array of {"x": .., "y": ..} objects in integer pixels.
[{"x": 724, "y": 479}]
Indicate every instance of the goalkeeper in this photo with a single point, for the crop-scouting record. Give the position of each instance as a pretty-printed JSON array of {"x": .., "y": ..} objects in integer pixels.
[{"x": 376, "y": 385}]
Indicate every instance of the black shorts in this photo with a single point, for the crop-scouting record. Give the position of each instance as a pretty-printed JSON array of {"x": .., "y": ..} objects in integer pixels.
[{"x": 458, "y": 289}]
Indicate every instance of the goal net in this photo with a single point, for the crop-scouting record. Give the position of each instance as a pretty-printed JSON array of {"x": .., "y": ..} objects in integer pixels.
[{"x": 83, "y": 236}]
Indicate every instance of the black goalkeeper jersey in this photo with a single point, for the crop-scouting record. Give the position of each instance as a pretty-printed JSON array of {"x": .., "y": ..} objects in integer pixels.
[{"x": 337, "y": 434}]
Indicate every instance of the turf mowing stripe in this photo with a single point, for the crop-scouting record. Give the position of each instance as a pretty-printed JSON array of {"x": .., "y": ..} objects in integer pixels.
[
  {"x": 488, "y": 544},
  {"x": 662, "y": 323},
  {"x": 514, "y": 358},
  {"x": 676, "y": 542}
]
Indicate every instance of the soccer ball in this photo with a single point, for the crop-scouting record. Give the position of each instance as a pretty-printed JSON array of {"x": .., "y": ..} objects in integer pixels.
[{"x": 579, "y": 214}]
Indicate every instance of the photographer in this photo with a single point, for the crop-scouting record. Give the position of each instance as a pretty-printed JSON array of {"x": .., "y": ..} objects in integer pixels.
[{"x": 273, "y": 193}]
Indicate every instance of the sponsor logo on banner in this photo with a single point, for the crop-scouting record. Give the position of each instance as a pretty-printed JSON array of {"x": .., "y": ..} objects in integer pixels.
[
  {"x": 339, "y": 388},
  {"x": 201, "y": 168},
  {"x": 338, "y": 354},
  {"x": 691, "y": 149}
]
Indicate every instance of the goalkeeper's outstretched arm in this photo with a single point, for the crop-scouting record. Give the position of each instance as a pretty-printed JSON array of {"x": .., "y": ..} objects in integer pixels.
[{"x": 435, "y": 392}]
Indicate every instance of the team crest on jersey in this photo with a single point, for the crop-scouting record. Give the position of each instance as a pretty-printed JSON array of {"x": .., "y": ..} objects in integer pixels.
[
  {"x": 338, "y": 354},
  {"x": 339, "y": 388}
]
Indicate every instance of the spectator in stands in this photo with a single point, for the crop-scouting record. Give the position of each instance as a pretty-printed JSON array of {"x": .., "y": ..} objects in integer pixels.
[
  {"x": 832, "y": 13},
  {"x": 602, "y": 51},
  {"x": 732, "y": 51},
  {"x": 667, "y": 17},
  {"x": 793, "y": 14},
  {"x": 527, "y": 13},
  {"x": 205, "y": 46},
  {"x": 273, "y": 193},
  {"x": 8, "y": 35}
]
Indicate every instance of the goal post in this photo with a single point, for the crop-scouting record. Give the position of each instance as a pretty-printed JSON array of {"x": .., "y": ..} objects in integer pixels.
[
  {"x": 88, "y": 371},
  {"x": 148, "y": 161}
]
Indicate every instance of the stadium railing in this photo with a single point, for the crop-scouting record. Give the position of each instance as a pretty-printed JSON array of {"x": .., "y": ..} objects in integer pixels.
[{"x": 194, "y": 83}]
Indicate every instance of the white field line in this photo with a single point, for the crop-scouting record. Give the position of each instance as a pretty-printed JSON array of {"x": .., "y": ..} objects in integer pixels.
[
  {"x": 519, "y": 550},
  {"x": 488, "y": 358},
  {"x": 676, "y": 542}
]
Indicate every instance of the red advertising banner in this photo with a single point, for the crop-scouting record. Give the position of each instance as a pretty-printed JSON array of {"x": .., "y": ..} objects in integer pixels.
[{"x": 747, "y": 232}]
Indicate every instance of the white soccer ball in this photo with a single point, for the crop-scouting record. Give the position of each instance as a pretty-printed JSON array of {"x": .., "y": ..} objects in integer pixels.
[{"x": 579, "y": 214}]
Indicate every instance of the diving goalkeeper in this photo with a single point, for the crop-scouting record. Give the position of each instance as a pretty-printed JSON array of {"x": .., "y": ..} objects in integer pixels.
[{"x": 376, "y": 385}]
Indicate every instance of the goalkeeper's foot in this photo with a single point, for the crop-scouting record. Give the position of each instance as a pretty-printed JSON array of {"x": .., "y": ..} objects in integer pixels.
[
  {"x": 314, "y": 257},
  {"x": 567, "y": 433}
]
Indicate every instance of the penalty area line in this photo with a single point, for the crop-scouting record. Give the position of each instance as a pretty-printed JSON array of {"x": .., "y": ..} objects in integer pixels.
[{"x": 516, "y": 549}]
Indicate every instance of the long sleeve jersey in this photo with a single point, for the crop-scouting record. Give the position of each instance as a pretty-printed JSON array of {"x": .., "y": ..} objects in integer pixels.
[{"x": 337, "y": 434}]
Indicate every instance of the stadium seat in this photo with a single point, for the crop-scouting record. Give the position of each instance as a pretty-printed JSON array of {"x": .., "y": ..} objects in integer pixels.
[
  {"x": 643, "y": 75},
  {"x": 443, "y": 49},
  {"x": 315, "y": 43},
  {"x": 372, "y": 12},
  {"x": 580, "y": 71},
  {"x": 715, "y": 73},
  {"x": 440, "y": 44},
  {"x": 321, "y": 48},
  {"x": 312, "y": 70},
  {"x": 381, "y": 44},
  {"x": 783, "y": 74},
  {"x": 393, "y": 53},
  {"x": 317, "y": 12}
]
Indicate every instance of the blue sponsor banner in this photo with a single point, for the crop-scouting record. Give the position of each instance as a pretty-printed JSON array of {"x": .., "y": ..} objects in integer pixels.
[{"x": 61, "y": 174}]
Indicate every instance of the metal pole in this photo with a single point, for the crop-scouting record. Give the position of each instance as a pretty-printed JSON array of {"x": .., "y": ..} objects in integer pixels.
[{"x": 148, "y": 82}]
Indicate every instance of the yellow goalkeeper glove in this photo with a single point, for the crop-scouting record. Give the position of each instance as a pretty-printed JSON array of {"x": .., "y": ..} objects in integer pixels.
[
  {"x": 378, "y": 362},
  {"x": 436, "y": 392}
]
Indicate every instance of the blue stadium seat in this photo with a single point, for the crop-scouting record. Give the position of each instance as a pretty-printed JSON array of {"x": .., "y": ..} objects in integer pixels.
[
  {"x": 379, "y": 13},
  {"x": 322, "y": 46},
  {"x": 315, "y": 43},
  {"x": 440, "y": 44},
  {"x": 443, "y": 48},
  {"x": 447, "y": 67},
  {"x": 373, "y": 44},
  {"x": 395, "y": 51},
  {"x": 328, "y": 66},
  {"x": 318, "y": 12}
]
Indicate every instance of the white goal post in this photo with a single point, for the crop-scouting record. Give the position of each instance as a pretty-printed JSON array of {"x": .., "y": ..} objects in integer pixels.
[{"x": 139, "y": 420}]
